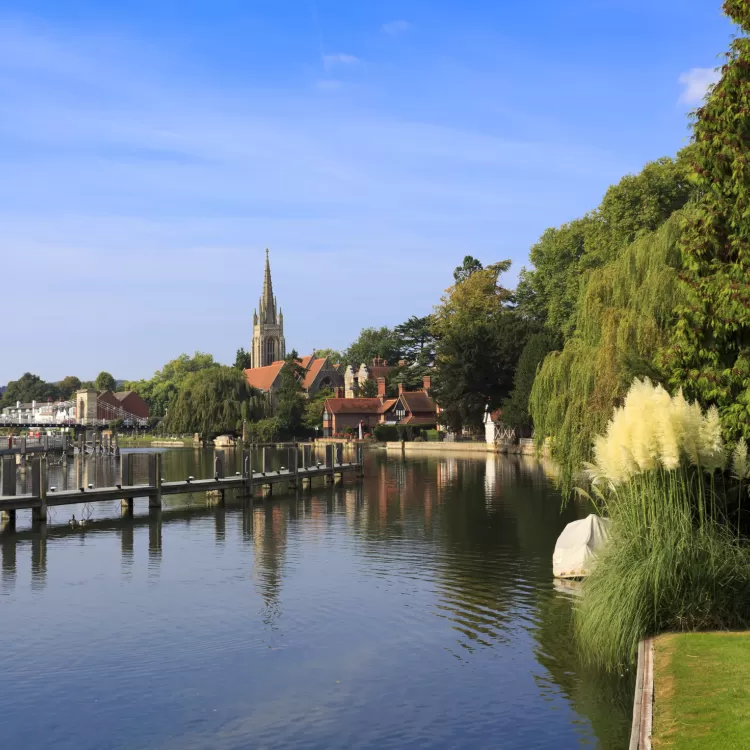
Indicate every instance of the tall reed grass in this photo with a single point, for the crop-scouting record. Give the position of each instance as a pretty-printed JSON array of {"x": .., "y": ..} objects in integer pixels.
[{"x": 673, "y": 561}]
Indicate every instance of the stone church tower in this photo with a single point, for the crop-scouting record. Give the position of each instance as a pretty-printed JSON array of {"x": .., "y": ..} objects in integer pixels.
[{"x": 268, "y": 327}]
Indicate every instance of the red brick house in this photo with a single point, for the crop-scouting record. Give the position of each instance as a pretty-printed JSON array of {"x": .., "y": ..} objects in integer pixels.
[{"x": 415, "y": 408}]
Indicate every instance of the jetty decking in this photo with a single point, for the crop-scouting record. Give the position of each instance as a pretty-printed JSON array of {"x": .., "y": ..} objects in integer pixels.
[{"x": 302, "y": 470}]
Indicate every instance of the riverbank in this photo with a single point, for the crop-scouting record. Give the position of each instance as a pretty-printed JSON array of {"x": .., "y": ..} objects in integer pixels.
[
  {"x": 523, "y": 448},
  {"x": 154, "y": 441},
  {"x": 701, "y": 692}
]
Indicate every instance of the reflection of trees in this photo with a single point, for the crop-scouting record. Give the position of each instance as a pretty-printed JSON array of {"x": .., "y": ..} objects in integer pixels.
[
  {"x": 605, "y": 700},
  {"x": 490, "y": 525}
]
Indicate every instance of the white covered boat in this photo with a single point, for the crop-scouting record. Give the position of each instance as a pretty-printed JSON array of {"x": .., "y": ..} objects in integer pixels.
[{"x": 578, "y": 545}]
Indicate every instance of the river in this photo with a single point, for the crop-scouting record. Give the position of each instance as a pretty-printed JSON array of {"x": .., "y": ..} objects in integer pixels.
[{"x": 415, "y": 609}]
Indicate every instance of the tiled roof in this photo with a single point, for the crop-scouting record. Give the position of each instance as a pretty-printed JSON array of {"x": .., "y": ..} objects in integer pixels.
[
  {"x": 417, "y": 420},
  {"x": 305, "y": 361},
  {"x": 122, "y": 395},
  {"x": 387, "y": 404},
  {"x": 418, "y": 401},
  {"x": 353, "y": 405},
  {"x": 263, "y": 378},
  {"x": 312, "y": 371}
]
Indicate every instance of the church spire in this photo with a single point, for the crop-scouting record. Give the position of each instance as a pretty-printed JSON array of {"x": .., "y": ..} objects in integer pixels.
[{"x": 267, "y": 302}]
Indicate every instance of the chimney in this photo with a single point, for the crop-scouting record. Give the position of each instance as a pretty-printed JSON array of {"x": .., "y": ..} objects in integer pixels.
[
  {"x": 339, "y": 392},
  {"x": 400, "y": 388},
  {"x": 426, "y": 383},
  {"x": 381, "y": 389}
]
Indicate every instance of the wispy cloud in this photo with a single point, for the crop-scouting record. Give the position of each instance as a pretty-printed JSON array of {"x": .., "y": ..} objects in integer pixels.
[
  {"x": 112, "y": 155},
  {"x": 340, "y": 58},
  {"x": 396, "y": 27},
  {"x": 696, "y": 83}
]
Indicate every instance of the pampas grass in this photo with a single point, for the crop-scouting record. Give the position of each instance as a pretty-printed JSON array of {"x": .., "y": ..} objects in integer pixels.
[
  {"x": 655, "y": 430},
  {"x": 672, "y": 562}
]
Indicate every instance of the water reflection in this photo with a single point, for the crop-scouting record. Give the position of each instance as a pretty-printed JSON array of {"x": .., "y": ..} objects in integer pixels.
[{"x": 428, "y": 584}]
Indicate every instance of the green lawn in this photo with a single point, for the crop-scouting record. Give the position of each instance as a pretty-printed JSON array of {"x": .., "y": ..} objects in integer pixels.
[
  {"x": 702, "y": 691},
  {"x": 144, "y": 441}
]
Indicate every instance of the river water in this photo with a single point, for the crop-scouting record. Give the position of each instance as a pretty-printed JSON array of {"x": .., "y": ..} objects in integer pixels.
[{"x": 415, "y": 609}]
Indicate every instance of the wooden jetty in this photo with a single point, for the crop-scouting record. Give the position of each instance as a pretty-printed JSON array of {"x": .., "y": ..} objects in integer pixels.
[{"x": 301, "y": 471}]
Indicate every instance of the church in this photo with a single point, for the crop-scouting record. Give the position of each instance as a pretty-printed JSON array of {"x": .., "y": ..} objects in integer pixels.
[
  {"x": 268, "y": 349},
  {"x": 268, "y": 344}
]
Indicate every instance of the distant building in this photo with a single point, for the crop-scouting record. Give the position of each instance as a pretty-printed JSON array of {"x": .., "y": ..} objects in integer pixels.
[
  {"x": 268, "y": 345},
  {"x": 409, "y": 408},
  {"x": 121, "y": 405},
  {"x": 97, "y": 407},
  {"x": 355, "y": 379},
  {"x": 40, "y": 412},
  {"x": 318, "y": 373}
]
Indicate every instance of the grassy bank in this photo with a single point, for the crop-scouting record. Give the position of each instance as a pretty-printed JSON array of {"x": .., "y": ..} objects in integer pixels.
[
  {"x": 144, "y": 441},
  {"x": 701, "y": 691}
]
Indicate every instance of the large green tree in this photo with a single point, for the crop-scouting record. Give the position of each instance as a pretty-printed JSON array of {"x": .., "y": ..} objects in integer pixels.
[
  {"x": 69, "y": 385},
  {"x": 105, "y": 382},
  {"x": 709, "y": 354},
  {"x": 564, "y": 256},
  {"x": 469, "y": 266},
  {"x": 371, "y": 343},
  {"x": 215, "y": 401},
  {"x": 516, "y": 407},
  {"x": 480, "y": 337},
  {"x": 417, "y": 340},
  {"x": 164, "y": 386},
  {"x": 28, "y": 388},
  {"x": 242, "y": 359},
  {"x": 290, "y": 399}
]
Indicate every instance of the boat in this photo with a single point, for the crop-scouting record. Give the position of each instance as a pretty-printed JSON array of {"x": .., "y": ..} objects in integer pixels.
[{"x": 578, "y": 545}]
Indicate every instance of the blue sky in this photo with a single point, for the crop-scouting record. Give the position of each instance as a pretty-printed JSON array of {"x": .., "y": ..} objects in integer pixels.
[{"x": 150, "y": 151}]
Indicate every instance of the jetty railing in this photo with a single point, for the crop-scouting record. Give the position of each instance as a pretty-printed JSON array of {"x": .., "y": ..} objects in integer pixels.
[{"x": 301, "y": 468}]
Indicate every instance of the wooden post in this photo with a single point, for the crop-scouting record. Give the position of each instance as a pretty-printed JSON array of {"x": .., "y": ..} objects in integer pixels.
[
  {"x": 81, "y": 443},
  {"x": 117, "y": 445},
  {"x": 126, "y": 480},
  {"x": 330, "y": 460},
  {"x": 263, "y": 464},
  {"x": 9, "y": 489},
  {"x": 154, "y": 467},
  {"x": 218, "y": 464},
  {"x": 39, "y": 489}
]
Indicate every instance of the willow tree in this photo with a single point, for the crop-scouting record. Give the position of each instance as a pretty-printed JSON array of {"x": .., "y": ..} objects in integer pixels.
[
  {"x": 709, "y": 355},
  {"x": 623, "y": 318},
  {"x": 215, "y": 401}
]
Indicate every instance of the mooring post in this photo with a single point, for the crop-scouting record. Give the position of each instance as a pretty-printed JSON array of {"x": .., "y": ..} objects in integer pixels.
[
  {"x": 117, "y": 445},
  {"x": 81, "y": 436},
  {"x": 126, "y": 480},
  {"x": 249, "y": 476},
  {"x": 263, "y": 465},
  {"x": 154, "y": 481},
  {"x": 9, "y": 489},
  {"x": 39, "y": 489},
  {"x": 219, "y": 473}
]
